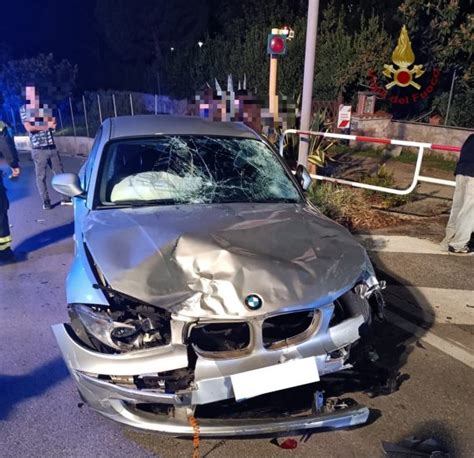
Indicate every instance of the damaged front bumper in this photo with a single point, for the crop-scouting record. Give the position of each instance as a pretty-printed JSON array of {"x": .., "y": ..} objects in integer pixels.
[
  {"x": 107, "y": 382},
  {"x": 344, "y": 418},
  {"x": 119, "y": 403}
]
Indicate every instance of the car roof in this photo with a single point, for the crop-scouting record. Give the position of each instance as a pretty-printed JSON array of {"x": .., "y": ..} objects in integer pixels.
[{"x": 149, "y": 125}]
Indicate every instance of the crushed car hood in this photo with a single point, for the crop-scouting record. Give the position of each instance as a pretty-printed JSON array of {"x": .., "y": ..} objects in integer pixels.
[{"x": 204, "y": 260}]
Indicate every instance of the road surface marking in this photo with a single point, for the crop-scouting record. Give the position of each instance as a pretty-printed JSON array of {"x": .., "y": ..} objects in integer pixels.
[
  {"x": 434, "y": 304},
  {"x": 399, "y": 244},
  {"x": 432, "y": 339}
]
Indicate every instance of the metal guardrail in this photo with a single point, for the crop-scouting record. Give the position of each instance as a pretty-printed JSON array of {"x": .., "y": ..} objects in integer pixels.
[{"x": 417, "y": 177}]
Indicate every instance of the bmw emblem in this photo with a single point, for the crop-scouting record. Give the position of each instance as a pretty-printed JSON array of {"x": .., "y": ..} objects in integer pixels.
[{"x": 253, "y": 301}]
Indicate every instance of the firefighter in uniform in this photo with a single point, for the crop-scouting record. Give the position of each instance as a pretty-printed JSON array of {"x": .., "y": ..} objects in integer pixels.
[{"x": 9, "y": 154}]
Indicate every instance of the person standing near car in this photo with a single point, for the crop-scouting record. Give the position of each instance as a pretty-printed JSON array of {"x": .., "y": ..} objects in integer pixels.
[
  {"x": 40, "y": 123},
  {"x": 9, "y": 154},
  {"x": 461, "y": 221}
]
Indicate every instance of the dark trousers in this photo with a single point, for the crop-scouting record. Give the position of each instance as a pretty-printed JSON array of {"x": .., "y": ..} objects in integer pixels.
[
  {"x": 42, "y": 159},
  {"x": 5, "y": 238}
]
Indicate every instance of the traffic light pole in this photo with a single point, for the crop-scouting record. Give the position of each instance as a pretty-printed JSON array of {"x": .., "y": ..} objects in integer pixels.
[
  {"x": 272, "y": 97},
  {"x": 311, "y": 33},
  {"x": 272, "y": 86}
]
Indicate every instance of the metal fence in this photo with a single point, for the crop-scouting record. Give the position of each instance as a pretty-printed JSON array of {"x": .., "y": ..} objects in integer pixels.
[
  {"x": 82, "y": 115},
  {"x": 417, "y": 177}
]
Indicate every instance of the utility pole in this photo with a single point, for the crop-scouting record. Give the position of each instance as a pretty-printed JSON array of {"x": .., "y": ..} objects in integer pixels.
[
  {"x": 450, "y": 98},
  {"x": 311, "y": 34}
]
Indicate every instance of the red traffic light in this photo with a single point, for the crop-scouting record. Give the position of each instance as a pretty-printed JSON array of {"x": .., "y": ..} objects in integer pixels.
[{"x": 276, "y": 44}]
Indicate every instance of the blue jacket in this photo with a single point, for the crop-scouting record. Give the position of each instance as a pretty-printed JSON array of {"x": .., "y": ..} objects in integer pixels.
[{"x": 465, "y": 164}]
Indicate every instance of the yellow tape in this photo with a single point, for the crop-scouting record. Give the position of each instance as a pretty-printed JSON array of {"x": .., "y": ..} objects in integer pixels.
[{"x": 6, "y": 239}]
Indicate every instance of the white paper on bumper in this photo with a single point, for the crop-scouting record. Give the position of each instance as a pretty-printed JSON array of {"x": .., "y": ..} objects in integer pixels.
[{"x": 296, "y": 372}]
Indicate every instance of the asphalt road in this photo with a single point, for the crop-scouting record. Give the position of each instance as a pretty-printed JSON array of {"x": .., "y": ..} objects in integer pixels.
[{"x": 429, "y": 339}]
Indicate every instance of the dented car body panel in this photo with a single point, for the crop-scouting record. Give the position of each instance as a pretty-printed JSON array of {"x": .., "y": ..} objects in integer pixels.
[
  {"x": 208, "y": 255},
  {"x": 194, "y": 275}
]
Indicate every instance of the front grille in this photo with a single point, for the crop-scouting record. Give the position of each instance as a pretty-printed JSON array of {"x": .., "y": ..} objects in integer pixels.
[
  {"x": 288, "y": 328},
  {"x": 220, "y": 337}
]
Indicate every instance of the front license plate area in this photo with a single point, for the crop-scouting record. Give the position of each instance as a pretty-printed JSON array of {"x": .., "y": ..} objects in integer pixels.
[{"x": 274, "y": 378}]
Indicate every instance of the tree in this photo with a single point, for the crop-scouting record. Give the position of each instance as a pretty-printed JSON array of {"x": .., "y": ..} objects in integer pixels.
[
  {"x": 354, "y": 37},
  {"x": 55, "y": 79},
  {"x": 334, "y": 55},
  {"x": 140, "y": 34},
  {"x": 443, "y": 31},
  {"x": 344, "y": 55}
]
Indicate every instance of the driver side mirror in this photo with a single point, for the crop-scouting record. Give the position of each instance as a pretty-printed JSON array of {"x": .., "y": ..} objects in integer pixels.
[
  {"x": 68, "y": 184},
  {"x": 303, "y": 177}
]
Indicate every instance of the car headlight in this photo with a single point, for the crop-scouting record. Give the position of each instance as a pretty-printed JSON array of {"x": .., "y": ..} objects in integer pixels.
[
  {"x": 369, "y": 286},
  {"x": 124, "y": 330},
  {"x": 370, "y": 289}
]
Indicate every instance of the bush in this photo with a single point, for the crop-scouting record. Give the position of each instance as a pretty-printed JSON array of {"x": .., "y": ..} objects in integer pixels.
[
  {"x": 345, "y": 205},
  {"x": 348, "y": 206},
  {"x": 384, "y": 178},
  {"x": 460, "y": 112}
]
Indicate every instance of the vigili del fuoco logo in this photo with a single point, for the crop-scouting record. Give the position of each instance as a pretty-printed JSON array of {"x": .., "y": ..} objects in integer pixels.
[{"x": 403, "y": 73}]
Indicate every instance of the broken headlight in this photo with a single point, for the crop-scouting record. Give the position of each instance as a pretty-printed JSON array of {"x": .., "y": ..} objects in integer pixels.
[
  {"x": 370, "y": 289},
  {"x": 369, "y": 286},
  {"x": 132, "y": 329}
]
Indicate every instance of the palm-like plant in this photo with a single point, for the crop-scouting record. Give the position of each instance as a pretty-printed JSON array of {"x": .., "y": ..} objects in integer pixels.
[{"x": 319, "y": 145}]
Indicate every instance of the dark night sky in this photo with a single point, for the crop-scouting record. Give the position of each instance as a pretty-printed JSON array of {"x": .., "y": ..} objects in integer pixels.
[
  {"x": 68, "y": 29},
  {"x": 63, "y": 27}
]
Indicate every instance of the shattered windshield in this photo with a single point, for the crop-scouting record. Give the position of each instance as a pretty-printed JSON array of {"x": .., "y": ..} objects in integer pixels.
[{"x": 193, "y": 169}]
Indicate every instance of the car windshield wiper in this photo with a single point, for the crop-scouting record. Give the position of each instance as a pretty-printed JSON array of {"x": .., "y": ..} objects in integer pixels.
[
  {"x": 256, "y": 201},
  {"x": 151, "y": 203},
  {"x": 275, "y": 200},
  {"x": 143, "y": 203}
]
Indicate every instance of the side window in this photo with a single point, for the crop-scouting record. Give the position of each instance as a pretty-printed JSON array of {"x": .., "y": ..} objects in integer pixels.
[{"x": 91, "y": 159}]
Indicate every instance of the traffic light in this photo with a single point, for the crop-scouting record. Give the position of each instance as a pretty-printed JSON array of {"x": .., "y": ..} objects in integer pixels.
[{"x": 276, "y": 44}]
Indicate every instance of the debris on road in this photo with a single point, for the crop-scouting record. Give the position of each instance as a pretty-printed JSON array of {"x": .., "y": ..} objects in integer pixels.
[
  {"x": 289, "y": 444},
  {"x": 414, "y": 447}
]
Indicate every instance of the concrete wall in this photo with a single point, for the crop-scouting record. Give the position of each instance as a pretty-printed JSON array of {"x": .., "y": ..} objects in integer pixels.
[
  {"x": 414, "y": 131},
  {"x": 372, "y": 127},
  {"x": 66, "y": 145},
  {"x": 429, "y": 133}
]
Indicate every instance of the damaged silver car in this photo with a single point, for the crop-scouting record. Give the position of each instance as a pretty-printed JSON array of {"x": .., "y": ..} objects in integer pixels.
[{"x": 205, "y": 284}]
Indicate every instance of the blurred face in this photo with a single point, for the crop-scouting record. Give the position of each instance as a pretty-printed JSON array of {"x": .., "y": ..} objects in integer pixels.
[
  {"x": 252, "y": 116},
  {"x": 30, "y": 95}
]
